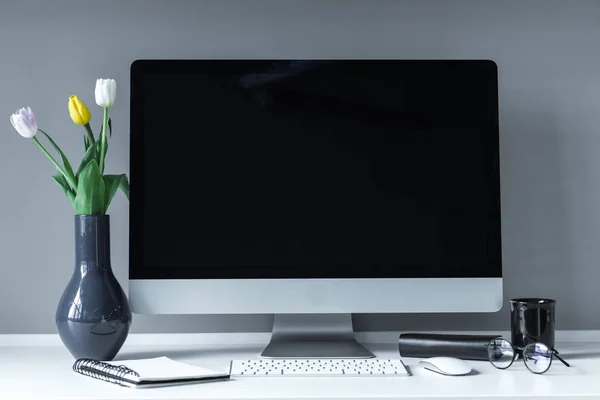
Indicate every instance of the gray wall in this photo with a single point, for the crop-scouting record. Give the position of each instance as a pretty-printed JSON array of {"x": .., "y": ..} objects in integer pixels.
[{"x": 549, "y": 61}]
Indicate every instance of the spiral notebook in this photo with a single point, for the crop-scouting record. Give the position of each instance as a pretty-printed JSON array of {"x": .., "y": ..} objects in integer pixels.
[{"x": 150, "y": 372}]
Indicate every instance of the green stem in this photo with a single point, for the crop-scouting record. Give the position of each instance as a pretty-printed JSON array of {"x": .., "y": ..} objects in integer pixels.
[
  {"x": 89, "y": 132},
  {"x": 103, "y": 143},
  {"x": 58, "y": 167}
]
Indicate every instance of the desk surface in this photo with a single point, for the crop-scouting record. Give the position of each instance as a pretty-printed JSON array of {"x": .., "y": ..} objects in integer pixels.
[{"x": 38, "y": 367}]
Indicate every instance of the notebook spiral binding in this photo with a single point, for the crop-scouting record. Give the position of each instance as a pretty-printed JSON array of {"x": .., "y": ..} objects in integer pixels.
[{"x": 103, "y": 371}]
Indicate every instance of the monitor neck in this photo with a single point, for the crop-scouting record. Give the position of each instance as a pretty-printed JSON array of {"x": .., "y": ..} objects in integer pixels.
[{"x": 314, "y": 336}]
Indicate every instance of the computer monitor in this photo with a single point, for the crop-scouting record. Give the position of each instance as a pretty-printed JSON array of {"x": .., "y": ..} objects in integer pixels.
[{"x": 313, "y": 189}]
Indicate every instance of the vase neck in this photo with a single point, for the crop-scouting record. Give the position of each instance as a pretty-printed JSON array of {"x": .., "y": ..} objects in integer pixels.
[{"x": 92, "y": 240}]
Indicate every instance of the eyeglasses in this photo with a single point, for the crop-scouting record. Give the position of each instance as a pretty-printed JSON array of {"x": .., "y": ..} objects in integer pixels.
[{"x": 537, "y": 357}]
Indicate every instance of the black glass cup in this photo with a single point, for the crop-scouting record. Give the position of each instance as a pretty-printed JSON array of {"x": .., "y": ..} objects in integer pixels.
[{"x": 532, "y": 321}]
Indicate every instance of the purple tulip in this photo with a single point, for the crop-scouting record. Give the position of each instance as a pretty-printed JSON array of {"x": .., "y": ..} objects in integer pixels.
[{"x": 24, "y": 122}]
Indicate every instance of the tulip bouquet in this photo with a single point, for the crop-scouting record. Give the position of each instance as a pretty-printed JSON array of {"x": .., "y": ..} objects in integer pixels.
[{"x": 88, "y": 189}]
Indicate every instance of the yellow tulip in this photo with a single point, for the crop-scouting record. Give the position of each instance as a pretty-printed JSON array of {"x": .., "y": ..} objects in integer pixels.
[{"x": 78, "y": 111}]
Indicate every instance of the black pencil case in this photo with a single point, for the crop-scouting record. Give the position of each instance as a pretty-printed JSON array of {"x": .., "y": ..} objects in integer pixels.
[{"x": 425, "y": 345}]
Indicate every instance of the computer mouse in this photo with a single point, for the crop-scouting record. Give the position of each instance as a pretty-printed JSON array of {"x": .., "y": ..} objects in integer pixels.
[{"x": 446, "y": 365}]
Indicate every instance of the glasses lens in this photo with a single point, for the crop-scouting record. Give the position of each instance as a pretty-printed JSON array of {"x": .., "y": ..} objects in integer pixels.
[
  {"x": 501, "y": 353},
  {"x": 537, "y": 357}
]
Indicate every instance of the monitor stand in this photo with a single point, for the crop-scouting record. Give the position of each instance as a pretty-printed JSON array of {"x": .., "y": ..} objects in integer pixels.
[{"x": 314, "y": 336}]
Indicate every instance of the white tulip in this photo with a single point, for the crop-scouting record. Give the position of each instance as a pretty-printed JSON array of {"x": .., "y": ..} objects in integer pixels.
[
  {"x": 24, "y": 122},
  {"x": 106, "y": 91}
]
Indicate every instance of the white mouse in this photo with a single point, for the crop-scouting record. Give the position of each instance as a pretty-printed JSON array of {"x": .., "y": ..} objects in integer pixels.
[{"x": 446, "y": 365}]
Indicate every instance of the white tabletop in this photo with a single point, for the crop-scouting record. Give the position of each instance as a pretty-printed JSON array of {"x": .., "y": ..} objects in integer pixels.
[{"x": 38, "y": 367}]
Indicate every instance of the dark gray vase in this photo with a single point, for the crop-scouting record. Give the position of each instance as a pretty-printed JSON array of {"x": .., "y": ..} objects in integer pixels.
[{"x": 93, "y": 316}]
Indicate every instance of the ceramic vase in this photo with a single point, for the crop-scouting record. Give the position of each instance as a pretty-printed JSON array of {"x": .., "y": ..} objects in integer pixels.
[{"x": 93, "y": 316}]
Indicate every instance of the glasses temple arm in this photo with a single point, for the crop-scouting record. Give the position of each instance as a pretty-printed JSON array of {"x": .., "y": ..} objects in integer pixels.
[{"x": 560, "y": 358}]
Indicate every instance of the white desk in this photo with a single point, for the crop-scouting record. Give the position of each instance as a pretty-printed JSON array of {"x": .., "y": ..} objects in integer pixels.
[{"x": 38, "y": 367}]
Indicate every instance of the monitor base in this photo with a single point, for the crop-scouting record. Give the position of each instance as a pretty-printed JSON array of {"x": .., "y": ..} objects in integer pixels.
[{"x": 314, "y": 336}]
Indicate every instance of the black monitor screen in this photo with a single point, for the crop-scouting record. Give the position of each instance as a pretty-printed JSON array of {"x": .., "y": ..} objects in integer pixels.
[{"x": 314, "y": 169}]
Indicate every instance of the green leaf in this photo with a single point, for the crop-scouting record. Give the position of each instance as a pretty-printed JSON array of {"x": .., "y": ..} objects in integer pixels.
[
  {"x": 65, "y": 160},
  {"x": 124, "y": 185},
  {"x": 90, "y": 154},
  {"x": 90, "y": 191},
  {"x": 62, "y": 182},
  {"x": 112, "y": 183},
  {"x": 86, "y": 143}
]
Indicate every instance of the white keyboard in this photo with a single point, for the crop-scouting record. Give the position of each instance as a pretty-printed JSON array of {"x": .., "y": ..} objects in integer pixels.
[{"x": 317, "y": 367}]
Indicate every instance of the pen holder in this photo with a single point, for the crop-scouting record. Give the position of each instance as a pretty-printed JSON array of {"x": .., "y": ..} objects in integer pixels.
[{"x": 532, "y": 320}]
